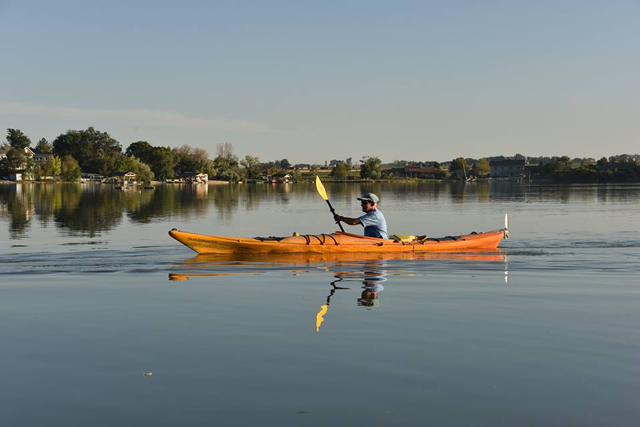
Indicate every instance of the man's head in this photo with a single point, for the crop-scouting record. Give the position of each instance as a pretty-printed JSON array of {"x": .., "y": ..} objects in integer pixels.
[{"x": 369, "y": 202}]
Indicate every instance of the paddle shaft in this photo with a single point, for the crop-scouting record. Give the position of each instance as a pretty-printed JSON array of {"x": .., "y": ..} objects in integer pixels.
[{"x": 333, "y": 211}]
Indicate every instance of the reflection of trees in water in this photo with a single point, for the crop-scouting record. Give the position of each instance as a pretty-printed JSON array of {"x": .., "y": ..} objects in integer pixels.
[
  {"x": 166, "y": 201},
  {"x": 88, "y": 209},
  {"x": 508, "y": 191},
  {"x": 484, "y": 191},
  {"x": 279, "y": 192},
  {"x": 226, "y": 199},
  {"x": 457, "y": 192},
  {"x": 47, "y": 199},
  {"x": 252, "y": 197},
  {"x": 618, "y": 193},
  {"x": 17, "y": 205}
]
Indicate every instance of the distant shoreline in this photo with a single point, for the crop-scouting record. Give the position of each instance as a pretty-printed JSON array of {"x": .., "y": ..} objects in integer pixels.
[{"x": 545, "y": 181}]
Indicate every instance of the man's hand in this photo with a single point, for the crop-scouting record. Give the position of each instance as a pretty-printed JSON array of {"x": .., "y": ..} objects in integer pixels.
[{"x": 336, "y": 217}]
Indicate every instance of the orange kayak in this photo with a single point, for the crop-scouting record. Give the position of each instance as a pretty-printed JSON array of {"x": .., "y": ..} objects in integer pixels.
[{"x": 338, "y": 242}]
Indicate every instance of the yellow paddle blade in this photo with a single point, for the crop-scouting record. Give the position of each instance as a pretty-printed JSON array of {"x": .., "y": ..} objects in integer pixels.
[{"x": 320, "y": 188}]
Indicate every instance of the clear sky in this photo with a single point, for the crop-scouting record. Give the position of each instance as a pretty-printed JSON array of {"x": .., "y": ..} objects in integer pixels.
[{"x": 317, "y": 80}]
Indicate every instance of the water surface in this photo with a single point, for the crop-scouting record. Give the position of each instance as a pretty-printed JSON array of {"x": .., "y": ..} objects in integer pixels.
[{"x": 94, "y": 294}]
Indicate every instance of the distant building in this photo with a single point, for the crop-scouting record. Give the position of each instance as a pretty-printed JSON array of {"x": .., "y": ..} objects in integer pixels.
[
  {"x": 27, "y": 151},
  {"x": 279, "y": 177},
  {"x": 506, "y": 168},
  {"x": 123, "y": 177},
  {"x": 3, "y": 151},
  {"x": 90, "y": 177},
  {"x": 302, "y": 167},
  {"x": 195, "y": 177},
  {"x": 39, "y": 156}
]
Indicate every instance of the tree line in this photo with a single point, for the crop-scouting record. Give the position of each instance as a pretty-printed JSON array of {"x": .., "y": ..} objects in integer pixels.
[
  {"x": 619, "y": 168},
  {"x": 93, "y": 151}
]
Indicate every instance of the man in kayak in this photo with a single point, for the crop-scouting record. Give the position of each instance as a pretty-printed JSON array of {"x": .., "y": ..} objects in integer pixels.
[{"x": 373, "y": 221}]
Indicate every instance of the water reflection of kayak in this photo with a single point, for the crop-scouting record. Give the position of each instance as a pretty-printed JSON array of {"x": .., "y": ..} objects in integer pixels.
[
  {"x": 336, "y": 243},
  {"x": 345, "y": 266},
  {"x": 494, "y": 255}
]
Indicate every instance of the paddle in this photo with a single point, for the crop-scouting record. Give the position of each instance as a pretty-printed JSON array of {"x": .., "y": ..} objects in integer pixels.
[{"x": 323, "y": 194}]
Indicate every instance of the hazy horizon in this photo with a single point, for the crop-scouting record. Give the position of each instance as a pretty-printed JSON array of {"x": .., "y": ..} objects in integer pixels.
[{"x": 315, "y": 82}]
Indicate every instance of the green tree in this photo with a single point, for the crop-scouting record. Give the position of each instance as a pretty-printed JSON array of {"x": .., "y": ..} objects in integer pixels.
[
  {"x": 162, "y": 162},
  {"x": 207, "y": 166},
  {"x": 482, "y": 167},
  {"x": 131, "y": 164},
  {"x": 458, "y": 164},
  {"x": 228, "y": 170},
  {"x": 371, "y": 167},
  {"x": 141, "y": 150},
  {"x": 340, "y": 171},
  {"x": 143, "y": 171},
  {"x": 38, "y": 171},
  {"x": 16, "y": 159},
  {"x": 105, "y": 165},
  {"x": 587, "y": 163},
  {"x": 563, "y": 164},
  {"x": 285, "y": 165},
  {"x": 189, "y": 159},
  {"x": 252, "y": 166},
  {"x": 4, "y": 167},
  {"x": 53, "y": 166},
  {"x": 17, "y": 139},
  {"x": 296, "y": 175},
  {"x": 70, "y": 169},
  {"x": 91, "y": 148},
  {"x": 226, "y": 164},
  {"x": 44, "y": 146}
]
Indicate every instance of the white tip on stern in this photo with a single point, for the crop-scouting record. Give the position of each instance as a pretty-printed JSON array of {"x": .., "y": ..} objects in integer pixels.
[{"x": 506, "y": 226}]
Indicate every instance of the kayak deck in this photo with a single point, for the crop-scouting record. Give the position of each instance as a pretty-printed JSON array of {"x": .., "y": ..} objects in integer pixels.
[{"x": 338, "y": 242}]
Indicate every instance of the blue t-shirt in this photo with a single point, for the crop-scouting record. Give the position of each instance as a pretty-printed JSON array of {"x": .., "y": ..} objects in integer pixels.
[{"x": 374, "y": 224}]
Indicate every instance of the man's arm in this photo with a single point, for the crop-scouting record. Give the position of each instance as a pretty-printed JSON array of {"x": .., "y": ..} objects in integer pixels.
[{"x": 350, "y": 221}]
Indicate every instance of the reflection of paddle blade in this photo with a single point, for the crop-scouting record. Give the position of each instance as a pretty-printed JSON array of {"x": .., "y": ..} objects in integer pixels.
[
  {"x": 177, "y": 277},
  {"x": 319, "y": 316},
  {"x": 321, "y": 189}
]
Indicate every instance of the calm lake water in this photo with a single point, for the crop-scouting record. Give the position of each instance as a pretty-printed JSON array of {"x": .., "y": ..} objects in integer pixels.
[{"x": 94, "y": 295}]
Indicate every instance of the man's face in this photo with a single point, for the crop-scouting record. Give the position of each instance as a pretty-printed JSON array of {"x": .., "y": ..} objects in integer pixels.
[{"x": 367, "y": 206}]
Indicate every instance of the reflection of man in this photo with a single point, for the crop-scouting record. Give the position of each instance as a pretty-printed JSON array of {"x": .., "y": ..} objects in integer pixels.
[
  {"x": 372, "y": 284},
  {"x": 368, "y": 299},
  {"x": 373, "y": 221}
]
